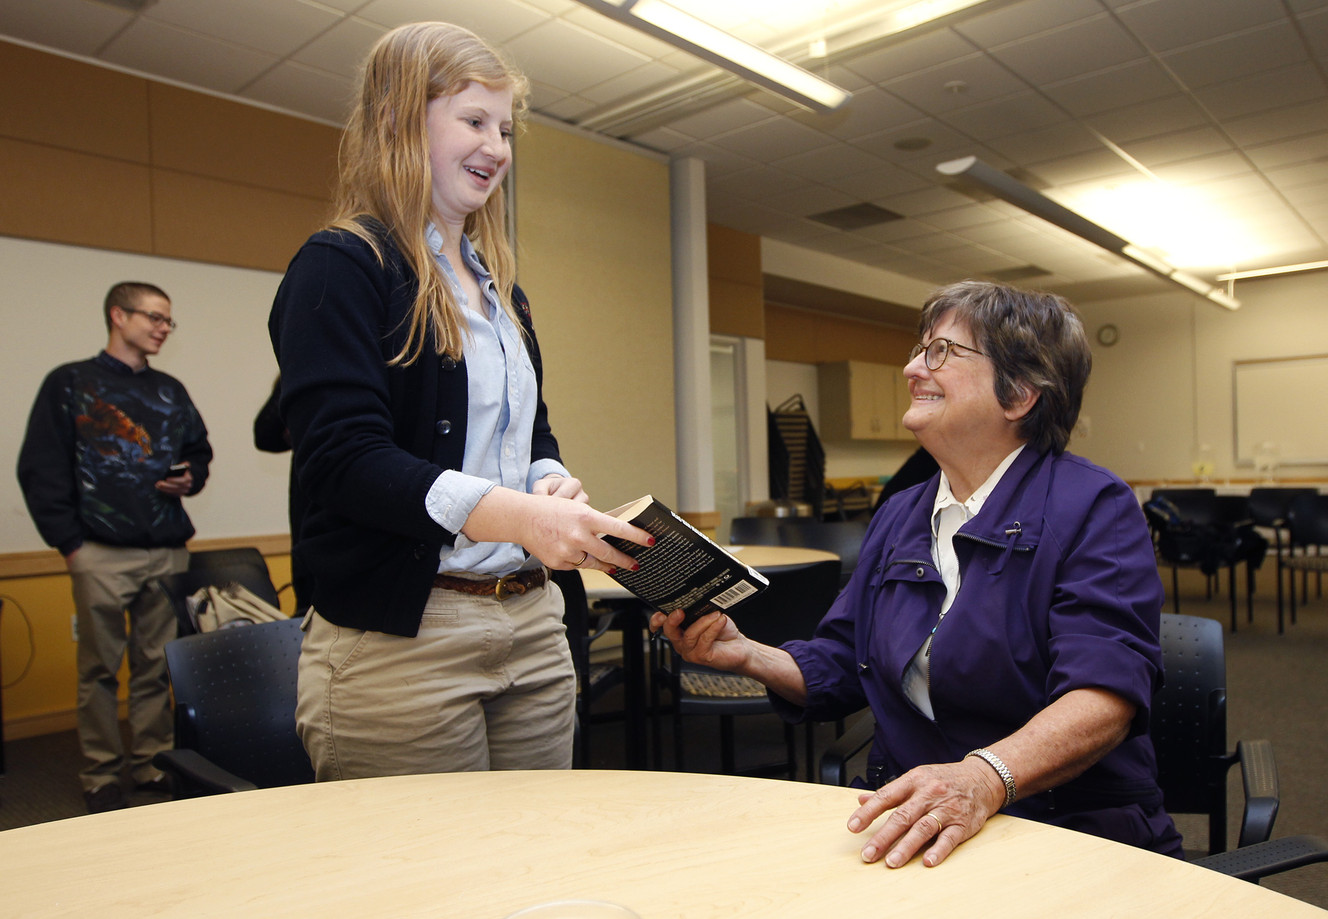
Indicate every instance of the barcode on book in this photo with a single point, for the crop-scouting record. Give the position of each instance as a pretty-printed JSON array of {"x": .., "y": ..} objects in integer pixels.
[{"x": 739, "y": 591}]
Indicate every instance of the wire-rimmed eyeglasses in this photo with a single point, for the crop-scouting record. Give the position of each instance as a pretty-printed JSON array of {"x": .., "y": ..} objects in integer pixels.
[
  {"x": 937, "y": 350},
  {"x": 158, "y": 319}
]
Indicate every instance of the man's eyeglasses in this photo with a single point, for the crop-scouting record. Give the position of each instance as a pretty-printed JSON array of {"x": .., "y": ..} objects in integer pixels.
[
  {"x": 937, "y": 350},
  {"x": 158, "y": 319}
]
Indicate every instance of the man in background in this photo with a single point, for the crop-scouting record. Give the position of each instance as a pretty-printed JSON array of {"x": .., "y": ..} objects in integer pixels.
[{"x": 111, "y": 447}]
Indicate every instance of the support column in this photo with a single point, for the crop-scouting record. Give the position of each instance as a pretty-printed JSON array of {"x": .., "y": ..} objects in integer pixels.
[{"x": 691, "y": 338}]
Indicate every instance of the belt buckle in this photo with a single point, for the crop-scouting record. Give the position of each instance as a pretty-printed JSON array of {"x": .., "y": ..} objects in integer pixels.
[{"x": 500, "y": 588}]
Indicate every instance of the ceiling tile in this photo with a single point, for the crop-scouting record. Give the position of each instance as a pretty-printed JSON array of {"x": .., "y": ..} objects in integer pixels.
[
  {"x": 569, "y": 57},
  {"x": 1117, "y": 87},
  {"x": 1280, "y": 124},
  {"x": 297, "y": 88},
  {"x": 1233, "y": 56},
  {"x": 1014, "y": 21},
  {"x": 1088, "y": 45},
  {"x": 627, "y": 84},
  {"x": 1288, "y": 85},
  {"x": 1027, "y": 111},
  {"x": 341, "y": 49},
  {"x": 186, "y": 57},
  {"x": 73, "y": 25},
  {"x": 720, "y": 119},
  {"x": 1178, "y": 146},
  {"x": 869, "y": 111},
  {"x": 1036, "y": 145},
  {"x": 876, "y": 183},
  {"x": 279, "y": 28},
  {"x": 956, "y": 84},
  {"x": 772, "y": 140},
  {"x": 1167, "y": 24},
  {"x": 1149, "y": 119},
  {"x": 817, "y": 165},
  {"x": 901, "y": 57}
]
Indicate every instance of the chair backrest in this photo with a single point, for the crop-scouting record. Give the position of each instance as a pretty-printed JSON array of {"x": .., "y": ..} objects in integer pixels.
[
  {"x": 179, "y": 587},
  {"x": 1198, "y": 506},
  {"x": 1269, "y": 506},
  {"x": 842, "y": 537},
  {"x": 1307, "y": 520},
  {"x": 793, "y": 604},
  {"x": 755, "y": 531},
  {"x": 1189, "y": 716},
  {"x": 235, "y": 700},
  {"x": 239, "y": 556}
]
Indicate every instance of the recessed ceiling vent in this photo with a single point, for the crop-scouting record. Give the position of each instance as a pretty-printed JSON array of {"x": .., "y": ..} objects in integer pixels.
[
  {"x": 1018, "y": 273},
  {"x": 855, "y": 216},
  {"x": 133, "y": 6}
]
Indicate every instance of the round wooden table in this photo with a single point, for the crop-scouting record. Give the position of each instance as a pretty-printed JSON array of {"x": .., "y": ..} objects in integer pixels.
[{"x": 667, "y": 845}]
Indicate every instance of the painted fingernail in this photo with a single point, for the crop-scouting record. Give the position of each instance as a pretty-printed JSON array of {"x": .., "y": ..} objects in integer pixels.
[
  {"x": 635, "y": 566},
  {"x": 650, "y": 541}
]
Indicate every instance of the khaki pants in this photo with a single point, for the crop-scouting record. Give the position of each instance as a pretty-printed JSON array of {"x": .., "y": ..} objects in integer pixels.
[
  {"x": 118, "y": 611},
  {"x": 486, "y": 684}
]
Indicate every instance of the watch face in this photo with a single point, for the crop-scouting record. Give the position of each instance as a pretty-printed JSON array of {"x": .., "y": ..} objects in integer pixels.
[{"x": 1108, "y": 335}]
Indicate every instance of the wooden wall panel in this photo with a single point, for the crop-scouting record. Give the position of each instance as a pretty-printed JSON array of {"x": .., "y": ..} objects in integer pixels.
[
  {"x": 207, "y": 220},
  {"x": 222, "y": 139},
  {"x": 68, "y": 104},
  {"x": 74, "y": 198},
  {"x": 737, "y": 300},
  {"x": 814, "y": 338}
]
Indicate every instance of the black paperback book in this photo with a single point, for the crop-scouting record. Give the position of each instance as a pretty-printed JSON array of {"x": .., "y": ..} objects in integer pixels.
[{"x": 684, "y": 569}]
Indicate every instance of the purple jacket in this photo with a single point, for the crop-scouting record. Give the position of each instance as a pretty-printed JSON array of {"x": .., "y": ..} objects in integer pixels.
[{"x": 1059, "y": 591}]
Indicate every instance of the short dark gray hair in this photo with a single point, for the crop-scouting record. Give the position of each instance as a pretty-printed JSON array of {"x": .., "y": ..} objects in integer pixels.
[{"x": 1033, "y": 339}]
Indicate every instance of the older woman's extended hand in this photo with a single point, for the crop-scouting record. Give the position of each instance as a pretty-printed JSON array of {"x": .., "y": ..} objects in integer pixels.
[
  {"x": 712, "y": 641},
  {"x": 944, "y": 804}
]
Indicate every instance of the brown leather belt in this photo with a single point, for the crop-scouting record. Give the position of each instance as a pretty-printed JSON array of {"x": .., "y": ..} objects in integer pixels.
[{"x": 509, "y": 585}]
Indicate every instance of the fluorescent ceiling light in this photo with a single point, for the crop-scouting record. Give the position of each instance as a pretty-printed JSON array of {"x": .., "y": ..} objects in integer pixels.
[
  {"x": 685, "y": 31},
  {"x": 1021, "y": 196},
  {"x": 1265, "y": 272}
]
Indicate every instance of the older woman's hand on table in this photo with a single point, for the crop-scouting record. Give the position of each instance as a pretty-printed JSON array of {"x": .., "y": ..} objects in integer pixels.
[{"x": 944, "y": 804}]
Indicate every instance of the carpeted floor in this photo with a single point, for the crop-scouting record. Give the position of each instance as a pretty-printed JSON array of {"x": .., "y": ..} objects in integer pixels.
[{"x": 1277, "y": 689}]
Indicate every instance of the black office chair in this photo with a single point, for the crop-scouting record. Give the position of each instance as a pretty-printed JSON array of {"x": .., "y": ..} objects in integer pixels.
[
  {"x": 235, "y": 695},
  {"x": 248, "y": 558},
  {"x": 179, "y": 587},
  {"x": 1269, "y": 508},
  {"x": 593, "y": 680},
  {"x": 842, "y": 537},
  {"x": 1197, "y": 528},
  {"x": 755, "y": 531},
  {"x": 1307, "y": 524},
  {"x": 790, "y": 608},
  {"x": 1189, "y": 733}
]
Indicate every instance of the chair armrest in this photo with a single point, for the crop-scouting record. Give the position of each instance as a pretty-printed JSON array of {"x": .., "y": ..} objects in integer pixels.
[
  {"x": 1264, "y": 858},
  {"x": 834, "y": 761},
  {"x": 191, "y": 768},
  {"x": 1258, "y": 770}
]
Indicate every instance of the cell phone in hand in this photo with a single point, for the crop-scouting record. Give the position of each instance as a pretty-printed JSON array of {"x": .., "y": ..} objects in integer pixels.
[{"x": 177, "y": 470}]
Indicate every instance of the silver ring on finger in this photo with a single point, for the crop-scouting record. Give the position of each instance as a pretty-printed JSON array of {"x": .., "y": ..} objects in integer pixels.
[{"x": 582, "y": 561}]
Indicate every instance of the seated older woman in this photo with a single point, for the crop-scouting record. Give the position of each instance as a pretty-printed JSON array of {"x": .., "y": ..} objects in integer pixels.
[{"x": 1002, "y": 621}]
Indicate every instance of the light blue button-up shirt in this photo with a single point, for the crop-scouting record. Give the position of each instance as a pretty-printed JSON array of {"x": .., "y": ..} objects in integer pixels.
[{"x": 501, "y": 400}]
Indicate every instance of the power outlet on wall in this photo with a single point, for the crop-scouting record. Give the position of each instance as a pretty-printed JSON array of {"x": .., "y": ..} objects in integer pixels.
[{"x": 73, "y": 627}]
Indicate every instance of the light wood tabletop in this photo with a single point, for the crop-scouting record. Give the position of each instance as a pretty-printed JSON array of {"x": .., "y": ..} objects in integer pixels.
[{"x": 667, "y": 845}]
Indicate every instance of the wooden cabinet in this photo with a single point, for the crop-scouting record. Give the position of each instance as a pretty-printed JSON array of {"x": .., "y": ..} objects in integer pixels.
[{"x": 860, "y": 400}]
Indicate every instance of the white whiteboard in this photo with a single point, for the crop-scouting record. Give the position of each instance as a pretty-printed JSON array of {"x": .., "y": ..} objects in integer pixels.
[
  {"x": 1281, "y": 402},
  {"x": 52, "y": 302}
]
